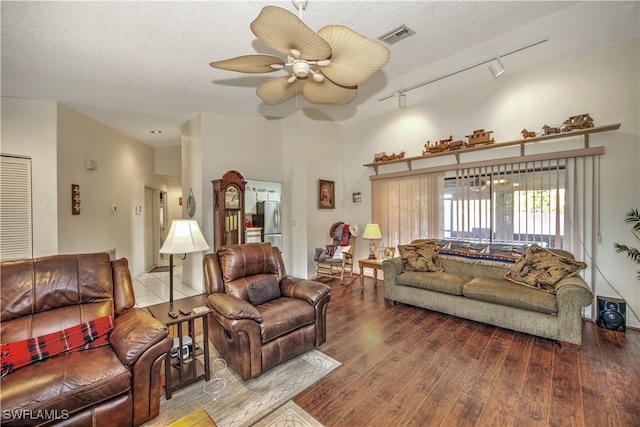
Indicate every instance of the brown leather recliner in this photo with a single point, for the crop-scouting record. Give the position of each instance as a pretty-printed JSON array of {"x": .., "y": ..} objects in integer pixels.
[
  {"x": 260, "y": 316},
  {"x": 115, "y": 384}
]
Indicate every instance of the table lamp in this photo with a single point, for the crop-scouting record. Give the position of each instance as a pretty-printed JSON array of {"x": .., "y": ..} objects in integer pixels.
[
  {"x": 184, "y": 237},
  {"x": 372, "y": 232}
]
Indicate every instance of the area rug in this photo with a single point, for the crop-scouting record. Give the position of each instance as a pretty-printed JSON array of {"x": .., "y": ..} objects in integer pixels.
[
  {"x": 243, "y": 403},
  {"x": 288, "y": 415},
  {"x": 160, "y": 269}
]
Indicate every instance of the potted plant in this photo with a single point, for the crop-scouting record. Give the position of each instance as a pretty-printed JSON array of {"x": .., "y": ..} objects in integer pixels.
[{"x": 632, "y": 217}]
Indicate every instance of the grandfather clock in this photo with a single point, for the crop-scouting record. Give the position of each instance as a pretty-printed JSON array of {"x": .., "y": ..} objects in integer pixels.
[{"x": 228, "y": 209}]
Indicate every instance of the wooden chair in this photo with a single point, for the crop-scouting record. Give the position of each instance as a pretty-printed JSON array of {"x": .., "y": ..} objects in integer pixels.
[{"x": 334, "y": 268}]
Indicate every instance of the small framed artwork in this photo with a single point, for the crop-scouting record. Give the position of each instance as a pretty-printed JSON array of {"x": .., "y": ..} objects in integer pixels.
[
  {"x": 326, "y": 194},
  {"x": 389, "y": 252}
]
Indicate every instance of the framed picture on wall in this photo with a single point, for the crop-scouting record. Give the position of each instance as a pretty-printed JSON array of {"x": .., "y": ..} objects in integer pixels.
[
  {"x": 389, "y": 252},
  {"x": 326, "y": 194}
]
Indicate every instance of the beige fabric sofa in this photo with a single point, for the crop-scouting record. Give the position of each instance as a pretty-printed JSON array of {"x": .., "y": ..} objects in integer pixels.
[{"x": 479, "y": 292}]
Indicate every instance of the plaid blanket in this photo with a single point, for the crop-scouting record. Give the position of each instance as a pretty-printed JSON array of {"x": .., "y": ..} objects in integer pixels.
[{"x": 91, "y": 334}]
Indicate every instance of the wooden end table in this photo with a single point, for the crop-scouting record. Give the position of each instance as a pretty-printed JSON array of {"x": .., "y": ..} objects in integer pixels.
[
  {"x": 179, "y": 371},
  {"x": 375, "y": 264}
]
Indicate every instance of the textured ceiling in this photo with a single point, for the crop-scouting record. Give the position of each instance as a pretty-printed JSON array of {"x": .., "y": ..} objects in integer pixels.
[{"x": 143, "y": 65}]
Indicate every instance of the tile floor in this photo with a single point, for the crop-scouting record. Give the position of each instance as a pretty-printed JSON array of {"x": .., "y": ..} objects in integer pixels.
[{"x": 153, "y": 288}]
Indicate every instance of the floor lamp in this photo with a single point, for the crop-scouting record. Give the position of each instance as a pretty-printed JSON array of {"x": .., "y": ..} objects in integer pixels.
[{"x": 184, "y": 237}]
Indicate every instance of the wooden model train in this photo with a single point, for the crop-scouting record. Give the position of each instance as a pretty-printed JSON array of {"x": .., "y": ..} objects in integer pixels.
[{"x": 478, "y": 137}]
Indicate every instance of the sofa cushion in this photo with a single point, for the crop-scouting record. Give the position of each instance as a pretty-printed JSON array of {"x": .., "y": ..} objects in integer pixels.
[
  {"x": 503, "y": 292},
  {"x": 71, "y": 381},
  {"x": 542, "y": 269},
  {"x": 283, "y": 315},
  {"x": 90, "y": 334},
  {"x": 264, "y": 290},
  {"x": 443, "y": 282},
  {"x": 420, "y": 257}
]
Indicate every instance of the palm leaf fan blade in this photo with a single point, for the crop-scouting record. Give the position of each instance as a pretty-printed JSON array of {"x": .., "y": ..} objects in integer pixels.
[
  {"x": 327, "y": 92},
  {"x": 250, "y": 64},
  {"x": 355, "y": 57},
  {"x": 277, "y": 90},
  {"x": 283, "y": 31}
]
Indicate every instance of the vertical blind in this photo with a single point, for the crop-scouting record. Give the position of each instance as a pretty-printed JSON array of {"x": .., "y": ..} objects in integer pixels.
[
  {"x": 15, "y": 208},
  {"x": 551, "y": 202}
]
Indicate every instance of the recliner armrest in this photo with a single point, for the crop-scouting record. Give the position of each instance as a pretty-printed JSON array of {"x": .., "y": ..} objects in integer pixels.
[
  {"x": 308, "y": 290},
  {"x": 233, "y": 308},
  {"x": 134, "y": 332}
]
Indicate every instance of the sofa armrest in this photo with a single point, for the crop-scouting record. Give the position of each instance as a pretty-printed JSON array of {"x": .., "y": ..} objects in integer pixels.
[
  {"x": 573, "y": 291},
  {"x": 308, "y": 290},
  {"x": 233, "y": 308},
  {"x": 135, "y": 331}
]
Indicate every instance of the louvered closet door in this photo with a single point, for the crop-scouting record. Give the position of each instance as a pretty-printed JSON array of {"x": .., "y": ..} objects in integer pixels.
[{"x": 15, "y": 208}]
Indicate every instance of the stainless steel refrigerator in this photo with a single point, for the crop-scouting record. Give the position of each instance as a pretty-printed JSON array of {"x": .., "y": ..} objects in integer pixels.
[{"x": 268, "y": 218}]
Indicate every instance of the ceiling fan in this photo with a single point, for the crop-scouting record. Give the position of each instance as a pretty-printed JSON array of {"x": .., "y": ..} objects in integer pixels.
[{"x": 325, "y": 67}]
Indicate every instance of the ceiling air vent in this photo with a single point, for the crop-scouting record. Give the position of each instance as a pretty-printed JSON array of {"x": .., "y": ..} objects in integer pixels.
[{"x": 394, "y": 36}]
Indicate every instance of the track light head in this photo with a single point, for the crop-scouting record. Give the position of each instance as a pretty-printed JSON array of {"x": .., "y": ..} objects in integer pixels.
[
  {"x": 402, "y": 100},
  {"x": 496, "y": 68}
]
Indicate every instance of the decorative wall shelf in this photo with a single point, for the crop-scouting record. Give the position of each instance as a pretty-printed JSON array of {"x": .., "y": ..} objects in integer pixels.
[{"x": 521, "y": 142}]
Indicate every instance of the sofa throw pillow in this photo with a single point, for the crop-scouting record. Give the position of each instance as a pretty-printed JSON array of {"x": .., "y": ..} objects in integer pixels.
[
  {"x": 93, "y": 333},
  {"x": 264, "y": 290},
  {"x": 340, "y": 250},
  {"x": 330, "y": 250},
  {"x": 542, "y": 269},
  {"x": 420, "y": 257}
]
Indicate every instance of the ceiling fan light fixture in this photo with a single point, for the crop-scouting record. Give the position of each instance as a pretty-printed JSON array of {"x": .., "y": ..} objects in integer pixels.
[
  {"x": 354, "y": 58},
  {"x": 301, "y": 68}
]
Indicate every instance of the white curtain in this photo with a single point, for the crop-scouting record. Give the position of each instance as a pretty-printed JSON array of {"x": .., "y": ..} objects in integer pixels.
[{"x": 408, "y": 208}]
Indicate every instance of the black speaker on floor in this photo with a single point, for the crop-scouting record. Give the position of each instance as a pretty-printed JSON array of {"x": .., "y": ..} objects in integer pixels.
[{"x": 612, "y": 313}]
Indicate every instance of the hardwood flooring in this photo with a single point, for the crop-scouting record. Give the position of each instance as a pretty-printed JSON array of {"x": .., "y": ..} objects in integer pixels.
[{"x": 406, "y": 366}]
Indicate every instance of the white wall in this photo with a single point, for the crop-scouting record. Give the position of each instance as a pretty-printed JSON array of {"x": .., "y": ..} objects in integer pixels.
[
  {"x": 168, "y": 161},
  {"x": 125, "y": 167},
  {"x": 603, "y": 83},
  {"x": 29, "y": 130},
  {"x": 314, "y": 146}
]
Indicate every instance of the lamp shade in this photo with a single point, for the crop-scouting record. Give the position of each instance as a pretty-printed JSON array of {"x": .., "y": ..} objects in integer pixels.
[
  {"x": 184, "y": 237},
  {"x": 372, "y": 231}
]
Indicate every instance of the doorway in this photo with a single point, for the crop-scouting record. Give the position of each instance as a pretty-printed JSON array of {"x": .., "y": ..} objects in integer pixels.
[{"x": 155, "y": 218}]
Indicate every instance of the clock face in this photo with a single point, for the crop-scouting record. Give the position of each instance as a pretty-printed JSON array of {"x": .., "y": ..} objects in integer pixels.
[{"x": 231, "y": 198}]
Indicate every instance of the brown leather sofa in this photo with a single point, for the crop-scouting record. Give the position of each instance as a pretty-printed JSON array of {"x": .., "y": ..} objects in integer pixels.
[
  {"x": 117, "y": 384},
  {"x": 289, "y": 319}
]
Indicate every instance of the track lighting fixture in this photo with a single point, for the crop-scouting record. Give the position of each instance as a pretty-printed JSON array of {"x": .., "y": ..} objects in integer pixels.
[
  {"x": 402, "y": 100},
  {"x": 496, "y": 68}
]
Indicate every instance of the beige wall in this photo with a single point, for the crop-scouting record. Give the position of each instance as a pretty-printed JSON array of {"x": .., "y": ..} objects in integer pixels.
[
  {"x": 29, "y": 130},
  {"x": 168, "y": 161},
  {"x": 603, "y": 83},
  {"x": 125, "y": 167}
]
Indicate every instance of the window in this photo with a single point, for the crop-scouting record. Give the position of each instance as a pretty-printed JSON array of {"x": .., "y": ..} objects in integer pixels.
[
  {"x": 15, "y": 208},
  {"x": 517, "y": 203},
  {"x": 553, "y": 202}
]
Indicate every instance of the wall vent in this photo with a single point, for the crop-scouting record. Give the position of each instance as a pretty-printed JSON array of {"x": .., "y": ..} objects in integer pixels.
[{"x": 394, "y": 36}]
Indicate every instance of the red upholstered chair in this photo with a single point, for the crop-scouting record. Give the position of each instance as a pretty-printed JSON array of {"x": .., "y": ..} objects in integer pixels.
[{"x": 260, "y": 316}]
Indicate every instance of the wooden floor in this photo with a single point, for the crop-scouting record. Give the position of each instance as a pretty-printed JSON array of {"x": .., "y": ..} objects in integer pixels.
[{"x": 404, "y": 365}]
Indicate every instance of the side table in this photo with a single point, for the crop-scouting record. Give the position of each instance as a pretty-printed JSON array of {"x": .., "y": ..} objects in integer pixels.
[
  {"x": 181, "y": 371},
  {"x": 369, "y": 263}
]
